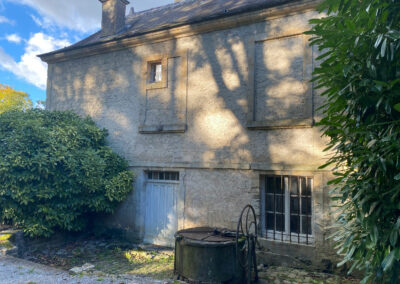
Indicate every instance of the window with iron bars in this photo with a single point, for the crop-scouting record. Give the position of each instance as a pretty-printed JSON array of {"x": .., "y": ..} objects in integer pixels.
[
  {"x": 286, "y": 206},
  {"x": 160, "y": 175}
]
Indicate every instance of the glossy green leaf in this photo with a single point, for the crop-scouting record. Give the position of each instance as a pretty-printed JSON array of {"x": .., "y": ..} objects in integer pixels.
[
  {"x": 393, "y": 237},
  {"x": 360, "y": 83},
  {"x": 388, "y": 261},
  {"x": 383, "y": 48}
]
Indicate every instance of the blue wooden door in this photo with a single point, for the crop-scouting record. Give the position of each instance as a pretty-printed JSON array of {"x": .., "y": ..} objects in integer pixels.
[{"x": 160, "y": 212}]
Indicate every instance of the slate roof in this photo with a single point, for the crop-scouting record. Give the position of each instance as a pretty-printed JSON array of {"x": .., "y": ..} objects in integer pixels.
[{"x": 178, "y": 14}]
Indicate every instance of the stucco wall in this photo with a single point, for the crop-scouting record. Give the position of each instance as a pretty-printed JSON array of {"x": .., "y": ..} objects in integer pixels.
[
  {"x": 220, "y": 158},
  {"x": 109, "y": 87}
]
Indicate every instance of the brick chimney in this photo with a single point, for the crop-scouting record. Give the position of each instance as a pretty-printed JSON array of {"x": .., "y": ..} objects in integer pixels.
[{"x": 113, "y": 19}]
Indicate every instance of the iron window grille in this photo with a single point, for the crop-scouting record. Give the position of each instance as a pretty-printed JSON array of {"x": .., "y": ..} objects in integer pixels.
[
  {"x": 287, "y": 209},
  {"x": 159, "y": 175}
]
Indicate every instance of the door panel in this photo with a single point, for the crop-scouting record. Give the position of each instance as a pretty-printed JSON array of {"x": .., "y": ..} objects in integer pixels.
[{"x": 160, "y": 212}]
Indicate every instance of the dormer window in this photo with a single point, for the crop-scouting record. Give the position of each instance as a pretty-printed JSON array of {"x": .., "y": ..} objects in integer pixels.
[{"x": 156, "y": 72}]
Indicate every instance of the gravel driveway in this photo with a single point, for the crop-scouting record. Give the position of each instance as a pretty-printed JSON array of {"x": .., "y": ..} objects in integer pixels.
[{"x": 17, "y": 271}]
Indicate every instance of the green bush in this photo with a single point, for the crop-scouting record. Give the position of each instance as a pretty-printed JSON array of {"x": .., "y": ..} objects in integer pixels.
[
  {"x": 56, "y": 170},
  {"x": 360, "y": 78}
]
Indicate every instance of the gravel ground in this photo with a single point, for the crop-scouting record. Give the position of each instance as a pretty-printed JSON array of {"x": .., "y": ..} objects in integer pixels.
[
  {"x": 285, "y": 275},
  {"x": 111, "y": 264},
  {"x": 18, "y": 271}
]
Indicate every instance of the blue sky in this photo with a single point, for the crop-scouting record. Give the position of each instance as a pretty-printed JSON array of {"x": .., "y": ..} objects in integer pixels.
[{"x": 32, "y": 27}]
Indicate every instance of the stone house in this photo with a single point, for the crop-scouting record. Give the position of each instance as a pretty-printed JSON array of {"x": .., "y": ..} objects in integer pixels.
[{"x": 211, "y": 104}]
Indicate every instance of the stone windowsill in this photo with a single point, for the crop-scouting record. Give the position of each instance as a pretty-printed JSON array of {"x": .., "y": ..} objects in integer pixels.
[
  {"x": 160, "y": 129},
  {"x": 280, "y": 124}
]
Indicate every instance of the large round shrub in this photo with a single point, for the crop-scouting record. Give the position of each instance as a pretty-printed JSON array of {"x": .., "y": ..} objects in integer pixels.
[{"x": 56, "y": 170}]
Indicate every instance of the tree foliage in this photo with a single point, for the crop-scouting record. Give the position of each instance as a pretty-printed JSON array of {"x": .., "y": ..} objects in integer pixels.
[
  {"x": 56, "y": 170},
  {"x": 11, "y": 99},
  {"x": 360, "y": 79}
]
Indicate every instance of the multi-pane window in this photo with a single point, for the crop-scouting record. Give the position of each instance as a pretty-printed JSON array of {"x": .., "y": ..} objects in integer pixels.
[
  {"x": 158, "y": 175},
  {"x": 155, "y": 72},
  {"x": 287, "y": 209}
]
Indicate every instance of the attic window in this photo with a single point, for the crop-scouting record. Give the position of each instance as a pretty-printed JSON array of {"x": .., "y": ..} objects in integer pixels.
[{"x": 156, "y": 72}]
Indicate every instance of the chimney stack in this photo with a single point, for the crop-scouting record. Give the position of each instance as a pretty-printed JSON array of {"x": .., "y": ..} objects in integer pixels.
[{"x": 113, "y": 19}]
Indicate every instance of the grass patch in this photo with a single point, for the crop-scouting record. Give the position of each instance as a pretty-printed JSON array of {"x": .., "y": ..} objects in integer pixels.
[
  {"x": 154, "y": 264},
  {"x": 5, "y": 241},
  {"x": 110, "y": 257},
  {"x": 4, "y": 237},
  {"x": 158, "y": 264}
]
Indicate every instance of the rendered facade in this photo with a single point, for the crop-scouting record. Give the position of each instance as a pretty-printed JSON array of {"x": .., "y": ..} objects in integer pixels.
[{"x": 211, "y": 104}]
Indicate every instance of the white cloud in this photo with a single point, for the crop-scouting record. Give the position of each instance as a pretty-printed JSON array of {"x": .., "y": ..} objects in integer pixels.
[
  {"x": 30, "y": 67},
  {"x": 4, "y": 20},
  {"x": 37, "y": 21},
  {"x": 79, "y": 15},
  {"x": 44, "y": 23},
  {"x": 14, "y": 38},
  {"x": 6, "y": 61}
]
